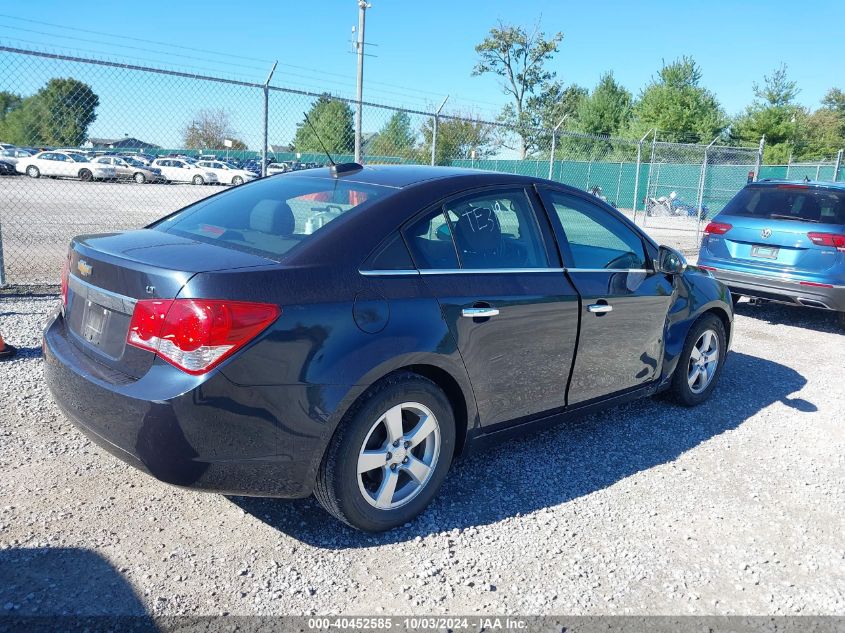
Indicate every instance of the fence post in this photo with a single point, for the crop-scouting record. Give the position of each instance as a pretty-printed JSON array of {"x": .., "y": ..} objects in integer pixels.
[
  {"x": 637, "y": 173},
  {"x": 266, "y": 119},
  {"x": 650, "y": 169},
  {"x": 836, "y": 167},
  {"x": 759, "y": 161},
  {"x": 2, "y": 264},
  {"x": 554, "y": 138},
  {"x": 701, "y": 184},
  {"x": 434, "y": 130}
]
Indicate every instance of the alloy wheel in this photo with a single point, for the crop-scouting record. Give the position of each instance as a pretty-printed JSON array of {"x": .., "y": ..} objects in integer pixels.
[
  {"x": 703, "y": 361},
  {"x": 398, "y": 455}
]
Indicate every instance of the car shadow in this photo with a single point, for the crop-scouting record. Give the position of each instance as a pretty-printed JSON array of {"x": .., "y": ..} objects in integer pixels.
[
  {"x": 51, "y": 589},
  {"x": 781, "y": 314},
  {"x": 556, "y": 466}
]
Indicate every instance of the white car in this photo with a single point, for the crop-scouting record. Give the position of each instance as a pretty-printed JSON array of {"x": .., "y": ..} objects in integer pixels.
[
  {"x": 14, "y": 154},
  {"x": 182, "y": 170},
  {"x": 63, "y": 165},
  {"x": 278, "y": 168},
  {"x": 227, "y": 174}
]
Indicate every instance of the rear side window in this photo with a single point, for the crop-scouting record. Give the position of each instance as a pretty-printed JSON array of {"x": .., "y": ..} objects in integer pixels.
[
  {"x": 270, "y": 217},
  {"x": 391, "y": 256},
  {"x": 789, "y": 202}
]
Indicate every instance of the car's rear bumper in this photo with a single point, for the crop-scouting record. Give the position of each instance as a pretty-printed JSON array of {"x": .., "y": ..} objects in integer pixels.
[
  {"x": 810, "y": 294},
  {"x": 204, "y": 433}
]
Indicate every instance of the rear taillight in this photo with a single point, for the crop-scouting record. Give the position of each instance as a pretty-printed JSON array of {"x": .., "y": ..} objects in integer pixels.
[
  {"x": 196, "y": 335},
  {"x": 828, "y": 239},
  {"x": 717, "y": 228},
  {"x": 65, "y": 275}
]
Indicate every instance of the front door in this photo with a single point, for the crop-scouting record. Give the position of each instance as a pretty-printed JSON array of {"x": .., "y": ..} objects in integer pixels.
[
  {"x": 489, "y": 260},
  {"x": 624, "y": 301}
]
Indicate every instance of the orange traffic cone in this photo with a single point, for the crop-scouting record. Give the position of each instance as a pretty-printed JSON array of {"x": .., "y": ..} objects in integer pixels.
[{"x": 6, "y": 350}]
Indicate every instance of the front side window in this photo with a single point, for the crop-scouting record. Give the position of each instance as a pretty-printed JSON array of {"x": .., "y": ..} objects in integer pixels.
[
  {"x": 486, "y": 230},
  {"x": 595, "y": 238},
  {"x": 270, "y": 217}
]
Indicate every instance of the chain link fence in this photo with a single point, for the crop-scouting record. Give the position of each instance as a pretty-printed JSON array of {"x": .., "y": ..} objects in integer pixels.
[{"x": 187, "y": 135}]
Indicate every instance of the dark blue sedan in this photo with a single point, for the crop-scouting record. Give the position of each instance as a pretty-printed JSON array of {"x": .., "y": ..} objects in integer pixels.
[{"x": 350, "y": 331}]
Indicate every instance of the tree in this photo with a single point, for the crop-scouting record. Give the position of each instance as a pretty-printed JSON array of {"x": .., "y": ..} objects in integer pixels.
[
  {"x": 332, "y": 120},
  {"x": 58, "y": 114},
  {"x": 519, "y": 58},
  {"x": 456, "y": 139},
  {"x": 9, "y": 101},
  {"x": 543, "y": 111},
  {"x": 677, "y": 106},
  {"x": 209, "y": 129},
  {"x": 607, "y": 110},
  {"x": 774, "y": 114},
  {"x": 825, "y": 128},
  {"x": 834, "y": 99},
  {"x": 396, "y": 138}
]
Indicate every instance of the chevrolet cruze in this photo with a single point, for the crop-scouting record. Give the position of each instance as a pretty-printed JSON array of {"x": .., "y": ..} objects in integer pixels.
[{"x": 350, "y": 331}]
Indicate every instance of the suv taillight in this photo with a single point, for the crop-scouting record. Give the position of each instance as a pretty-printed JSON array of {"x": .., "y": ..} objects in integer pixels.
[
  {"x": 196, "y": 335},
  {"x": 828, "y": 239},
  {"x": 65, "y": 275},
  {"x": 717, "y": 228}
]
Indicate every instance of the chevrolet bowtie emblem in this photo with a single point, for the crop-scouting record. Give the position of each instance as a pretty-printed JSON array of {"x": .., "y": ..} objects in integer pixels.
[{"x": 84, "y": 268}]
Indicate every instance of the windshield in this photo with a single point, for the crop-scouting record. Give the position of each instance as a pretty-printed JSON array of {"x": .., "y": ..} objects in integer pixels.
[
  {"x": 789, "y": 202},
  {"x": 270, "y": 217}
]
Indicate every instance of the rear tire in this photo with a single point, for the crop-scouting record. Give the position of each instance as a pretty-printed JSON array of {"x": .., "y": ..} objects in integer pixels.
[
  {"x": 402, "y": 433},
  {"x": 85, "y": 175},
  {"x": 698, "y": 368},
  {"x": 198, "y": 180},
  {"x": 33, "y": 172},
  {"x": 140, "y": 178}
]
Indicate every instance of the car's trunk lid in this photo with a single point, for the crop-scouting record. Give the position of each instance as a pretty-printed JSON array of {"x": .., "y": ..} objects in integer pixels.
[{"x": 108, "y": 274}]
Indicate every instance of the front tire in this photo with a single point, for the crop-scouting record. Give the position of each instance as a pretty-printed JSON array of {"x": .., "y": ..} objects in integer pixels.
[
  {"x": 237, "y": 180},
  {"x": 198, "y": 180},
  {"x": 389, "y": 455},
  {"x": 33, "y": 172},
  {"x": 700, "y": 363}
]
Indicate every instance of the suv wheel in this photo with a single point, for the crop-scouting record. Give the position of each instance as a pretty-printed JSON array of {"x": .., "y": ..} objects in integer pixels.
[
  {"x": 389, "y": 455},
  {"x": 700, "y": 363}
]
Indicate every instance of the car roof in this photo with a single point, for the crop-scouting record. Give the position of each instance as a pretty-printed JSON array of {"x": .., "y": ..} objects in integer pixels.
[
  {"x": 815, "y": 184},
  {"x": 400, "y": 176}
]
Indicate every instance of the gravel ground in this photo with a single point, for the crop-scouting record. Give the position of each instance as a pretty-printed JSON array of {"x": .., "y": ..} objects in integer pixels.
[{"x": 735, "y": 507}]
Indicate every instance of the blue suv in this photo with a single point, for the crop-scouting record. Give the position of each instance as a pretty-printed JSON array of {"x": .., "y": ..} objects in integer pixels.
[{"x": 781, "y": 241}]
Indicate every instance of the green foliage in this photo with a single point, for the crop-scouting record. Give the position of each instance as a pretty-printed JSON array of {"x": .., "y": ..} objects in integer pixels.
[
  {"x": 209, "y": 129},
  {"x": 332, "y": 120},
  {"x": 518, "y": 58},
  {"x": 456, "y": 138},
  {"x": 775, "y": 115},
  {"x": 396, "y": 138},
  {"x": 678, "y": 107},
  {"x": 607, "y": 110},
  {"x": 58, "y": 114}
]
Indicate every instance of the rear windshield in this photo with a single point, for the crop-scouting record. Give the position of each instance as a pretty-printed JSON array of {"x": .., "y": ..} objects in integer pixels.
[
  {"x": 789, "y": 202},
  {"x": 269, "y": 217}
]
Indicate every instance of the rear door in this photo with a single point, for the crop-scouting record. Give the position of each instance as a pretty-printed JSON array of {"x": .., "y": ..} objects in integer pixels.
[
  {"x": 624, "y": 302},
  {"x": 489, "y": 260}
]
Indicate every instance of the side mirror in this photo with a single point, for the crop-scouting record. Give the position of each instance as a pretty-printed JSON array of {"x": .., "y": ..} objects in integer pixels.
[{"x": 670, "y": 261}]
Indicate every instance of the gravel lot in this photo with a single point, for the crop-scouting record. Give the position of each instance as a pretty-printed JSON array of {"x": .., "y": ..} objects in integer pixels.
[{"x": 732, "y": 508}]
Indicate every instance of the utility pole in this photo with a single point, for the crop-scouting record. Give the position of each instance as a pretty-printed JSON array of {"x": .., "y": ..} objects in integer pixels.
[{"x": 363, "y": 5}]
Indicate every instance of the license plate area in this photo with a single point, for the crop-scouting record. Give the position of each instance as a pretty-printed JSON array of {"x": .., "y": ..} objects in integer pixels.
[
  {"x": 765, "y": 252},
  {"x": 95, "y": 321}
]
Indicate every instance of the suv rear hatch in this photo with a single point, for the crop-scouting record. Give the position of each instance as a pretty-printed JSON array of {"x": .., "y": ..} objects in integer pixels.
[
  {"x": 770, "y": 227},
  {"x": 108, "y": 274}
]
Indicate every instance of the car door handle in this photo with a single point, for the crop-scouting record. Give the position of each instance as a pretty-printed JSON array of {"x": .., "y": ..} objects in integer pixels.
[
  {"x": 479, "y": 313},
  {"x": 599, "y": 308}
]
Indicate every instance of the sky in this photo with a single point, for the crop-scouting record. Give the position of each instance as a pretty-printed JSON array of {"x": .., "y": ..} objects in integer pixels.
[{"x": 420, "y": 51}]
